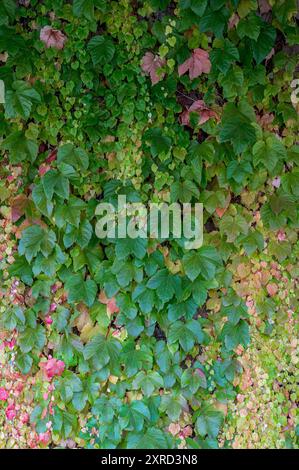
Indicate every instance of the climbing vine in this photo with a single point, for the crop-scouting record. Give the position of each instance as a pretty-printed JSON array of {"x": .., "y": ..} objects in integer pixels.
[{"x": 141, "y": 343}]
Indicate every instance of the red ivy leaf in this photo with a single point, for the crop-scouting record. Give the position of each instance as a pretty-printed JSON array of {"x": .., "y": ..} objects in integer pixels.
[
  {"x": 150, "y": 64},
  {"x": 197, "y": 64},
  {"x": 201, "y": 109},
  {"x": 52, "y": 37}
]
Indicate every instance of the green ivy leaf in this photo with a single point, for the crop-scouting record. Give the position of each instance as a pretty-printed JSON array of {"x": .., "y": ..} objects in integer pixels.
[
  {"x": 74, "y": 156},
  {"x": 101, "y": 50},
  {"x": 36, "y": 239},
  {"x": 20, "y": 148},
  {"x": 86, "y": 8},
  {"x": 268, "y": 152},
  {"x": 19, "y": 100},
  {"x": 224, "y": 56},
  {"x": 204, "y": 261},
  {"x": 187, "y": 334},
  {"x": 165, "y": 284},
  {"x": 236, "y": 127},
  {"x": 80, "y": 290},
  {"x": 264, "y": 43},
  {"x": 184, "y": 191},
  {"x": 235, "y": 334},
  {"x": 209, "y": 422}
]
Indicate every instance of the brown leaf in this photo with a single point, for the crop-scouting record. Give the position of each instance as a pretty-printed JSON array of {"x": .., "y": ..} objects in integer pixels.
[{"x": 18, "y": 207}]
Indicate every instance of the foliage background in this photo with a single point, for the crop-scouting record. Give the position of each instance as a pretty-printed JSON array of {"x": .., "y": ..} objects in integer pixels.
[{"x": 137, "y": 344}]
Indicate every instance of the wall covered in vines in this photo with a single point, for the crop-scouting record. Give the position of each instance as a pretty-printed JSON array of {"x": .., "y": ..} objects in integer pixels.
[{"x": 141, "y": 343}]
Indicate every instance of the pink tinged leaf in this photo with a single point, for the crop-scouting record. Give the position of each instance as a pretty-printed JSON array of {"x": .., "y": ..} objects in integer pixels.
[
  {"x": 3, "y": 394},
  {"x": 281, "y": 236},
  {"x": 276, "y": 182},
  {"x": 151, "y": 64},
  {"x": 272, "y": 289},
  {"x": 52, "y": 37},
  {"x": 147, "y": 62},
  {"x": 184, "y": 118},
  {"x": 112, "y": 307},
  {"x": 184, "y": 67},
  {"x": 52, "y": 367},
  {"x": 52, "y": 156},
  {"x": 233, "y": 21},
  {"x": 264, "y": 7},
  {"x": 187, "y": 432},
  {"x": 43, "y": 169},
  {"x": 220, "y": 211},
  {"x": 201, "y": 57},
  {"x": 201, "y": 109},
  {"x": 10, "y": 412},
  {"x": 197, "y": 64},
  {"x": 18, "y": 207}
]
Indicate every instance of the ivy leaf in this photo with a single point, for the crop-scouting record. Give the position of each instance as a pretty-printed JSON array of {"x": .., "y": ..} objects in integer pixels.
[
  {"x": 21, "y": 269},
  {"x": 187, "y": 334},
  {"x": 236, "y": 127},
  {"x": 153, "y": 438},
  {"x": 32, "y": 338},
  {"x": 103, "y": 351},
  {"x": 264, "y": 43},
  {"x": 235, "y": 334},
  {"x": 268, "y": 152},
  {"x": 232, "y": 227},
  {"x": 24, "y": 363},
  {"x": 197, "y": 6},
  {"x": 223, "y": 57},
  {"x": 235, "y": 312},
  {"x": 252, "y": 242},
  {"x": 19, "y": 100},
  {"x": 35, "y": 239},
  {"x": 238, "y": 171},
  {"x": 101, "y": 50},
  {"x": 7, "y": 9},
  {"x": 80, "y": 290},
  {"x": 86, "y": 8},
  {"x": 249, "y": 26},
  {"x": 130, "y": 246},
  {"x": 214, "y": 21},
  {"x": 184, "y": 309},
  {"x": 160, "y": 143},
  {"x": 135, "y": 413},
  {"x": 145, "y": 298},
  {"x": 209, "y": 422},
  {"x": 165, "y": 284},
  {"x": 81, "y": 235},
  {"x": 183, "y": 191},
  {"x": 193, "y": 379},
  {"x": 148, "y": 382},
  {"x": 74, "y": 156},
  {"x": 52, "y": 182},
  {"x": 41, "y": 201},
  {"x": 173, "y": 405},
  {"x": 204, "y": 261},
  {"x": 20, "y": 148},
  {"x": 70, "y": 212}
]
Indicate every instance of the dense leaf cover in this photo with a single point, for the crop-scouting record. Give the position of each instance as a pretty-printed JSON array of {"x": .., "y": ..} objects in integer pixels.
[{"x": 138, "y": 343}]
